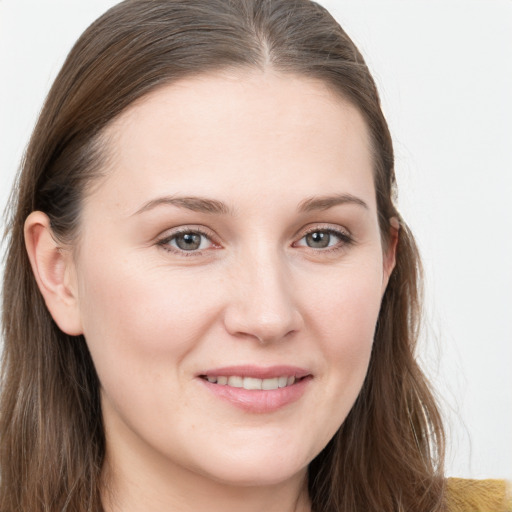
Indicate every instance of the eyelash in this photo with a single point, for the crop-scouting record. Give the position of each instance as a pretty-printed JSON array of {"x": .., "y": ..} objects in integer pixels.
[
  {"x": 164, "y": 242},
  {"x": 345, "y": 240}
]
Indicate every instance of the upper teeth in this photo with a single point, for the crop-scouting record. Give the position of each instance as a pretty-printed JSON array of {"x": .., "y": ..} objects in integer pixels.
[{"x": 253, "y": 383}]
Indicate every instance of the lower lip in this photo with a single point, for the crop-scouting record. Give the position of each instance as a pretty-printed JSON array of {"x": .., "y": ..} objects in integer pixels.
[{"x": 259, "y": 401}]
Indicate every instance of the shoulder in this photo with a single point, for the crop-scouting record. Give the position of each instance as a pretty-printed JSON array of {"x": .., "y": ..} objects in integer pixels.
[{"x": 464, "y": 495}]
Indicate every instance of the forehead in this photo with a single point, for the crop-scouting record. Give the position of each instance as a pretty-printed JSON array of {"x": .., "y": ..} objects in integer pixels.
[{"x": 240, "y": 132}]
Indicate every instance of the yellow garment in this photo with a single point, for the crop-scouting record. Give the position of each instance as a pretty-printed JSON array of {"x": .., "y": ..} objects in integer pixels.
[{"x": 478, "y": 495}]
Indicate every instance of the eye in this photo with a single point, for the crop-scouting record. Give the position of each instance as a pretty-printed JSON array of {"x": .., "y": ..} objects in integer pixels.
[
  {"x": 319, "y": 239},
  {"x": 186, "y": 241},
  {"x": 324, "y": 239}
]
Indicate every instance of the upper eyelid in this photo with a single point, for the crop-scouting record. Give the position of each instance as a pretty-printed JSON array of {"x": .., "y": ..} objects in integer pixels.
[
  {"x": 325, "y": 228},
  {"x": 168, "y": 234},
  {"x": 322, "y": 227}
]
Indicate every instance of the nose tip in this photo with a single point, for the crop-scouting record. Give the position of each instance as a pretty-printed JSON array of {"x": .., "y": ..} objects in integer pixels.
[
  {"x": 264, "y": 307},
  {"x": 266, "y": 328}
]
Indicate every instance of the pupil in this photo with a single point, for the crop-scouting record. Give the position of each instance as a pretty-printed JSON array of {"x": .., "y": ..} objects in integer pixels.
[
  {"x": 318, "y": 240},
  {"x": 188, "y": 241}
]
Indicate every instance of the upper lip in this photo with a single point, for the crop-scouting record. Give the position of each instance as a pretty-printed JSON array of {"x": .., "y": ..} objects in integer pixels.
[{"x": 257, "y": 372}]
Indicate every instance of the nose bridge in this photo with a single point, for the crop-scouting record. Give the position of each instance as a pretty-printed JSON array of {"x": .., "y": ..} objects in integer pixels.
[{"x": 263, "y": 306}]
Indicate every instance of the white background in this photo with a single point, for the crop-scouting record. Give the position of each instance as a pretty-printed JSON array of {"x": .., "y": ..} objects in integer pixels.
[{"x": 444, "y": 69}]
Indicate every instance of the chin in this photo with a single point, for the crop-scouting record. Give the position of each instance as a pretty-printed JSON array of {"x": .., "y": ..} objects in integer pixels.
[
  {"x": 266, "y": 468},
  {"x": 267, "y": 476}
]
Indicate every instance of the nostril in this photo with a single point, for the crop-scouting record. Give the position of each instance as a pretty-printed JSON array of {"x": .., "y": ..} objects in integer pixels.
[{"x": 263, "y": 310}]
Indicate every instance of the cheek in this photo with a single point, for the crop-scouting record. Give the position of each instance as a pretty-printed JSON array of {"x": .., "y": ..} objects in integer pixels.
[
  {"x": 142, "y": 318},
  {"x": 342, "y": 316},
  {"x": 348, "y": 307},
  {"x": 344, "y": 319}
]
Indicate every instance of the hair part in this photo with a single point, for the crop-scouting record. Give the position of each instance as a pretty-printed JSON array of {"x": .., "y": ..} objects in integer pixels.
[{"x": 388, "y": 454}]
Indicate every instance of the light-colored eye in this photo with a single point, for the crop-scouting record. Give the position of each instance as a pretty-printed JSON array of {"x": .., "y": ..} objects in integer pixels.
[
  {"x": 319, "y": 239},
  {"x": 188, "y": 241},
  {"x": 323, "y": 239}
]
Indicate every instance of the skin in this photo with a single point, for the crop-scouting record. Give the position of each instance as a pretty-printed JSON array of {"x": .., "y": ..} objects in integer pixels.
[{"x": 155, "y": 316}]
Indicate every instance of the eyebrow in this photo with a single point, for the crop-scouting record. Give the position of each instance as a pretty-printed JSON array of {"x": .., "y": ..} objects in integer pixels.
[
  {"x": 196, "y": 204},
  {"x": 212, "y": 206},
  {"x": 319, "y": 203}
]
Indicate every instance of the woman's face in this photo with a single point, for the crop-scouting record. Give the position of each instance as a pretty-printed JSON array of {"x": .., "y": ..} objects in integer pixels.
[{"x": 234, "y": 244}]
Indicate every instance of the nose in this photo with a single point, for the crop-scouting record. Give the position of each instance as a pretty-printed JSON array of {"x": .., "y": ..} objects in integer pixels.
[{"x": 263, "y": 306}]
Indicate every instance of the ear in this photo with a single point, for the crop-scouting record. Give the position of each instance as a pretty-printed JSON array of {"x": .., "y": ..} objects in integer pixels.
[
  {"x": 54, "y": 271},
  {"x": 389, "y": 260}
]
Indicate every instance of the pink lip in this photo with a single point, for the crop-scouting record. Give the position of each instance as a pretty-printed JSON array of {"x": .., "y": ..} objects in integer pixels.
[
  {"x": 258, "y": 372},
  {"x": 258, "y": 401}
]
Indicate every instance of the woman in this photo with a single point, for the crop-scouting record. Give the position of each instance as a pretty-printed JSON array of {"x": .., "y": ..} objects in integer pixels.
[{"x": 210, "y": 299}]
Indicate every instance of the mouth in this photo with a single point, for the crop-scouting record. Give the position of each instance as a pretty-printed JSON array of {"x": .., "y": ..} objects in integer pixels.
[
  {"x": 253, "y": 383},
  {"x": 257, "y": 389}
]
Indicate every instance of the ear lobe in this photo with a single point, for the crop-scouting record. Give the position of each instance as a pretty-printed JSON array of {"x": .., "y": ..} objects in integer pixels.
[
  {"x": 54, "y": 271},
  {"x": 389, "y": 260}
]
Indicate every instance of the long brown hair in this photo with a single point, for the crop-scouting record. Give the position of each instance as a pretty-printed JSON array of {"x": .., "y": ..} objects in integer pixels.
[{"x": 387, "y": 455}]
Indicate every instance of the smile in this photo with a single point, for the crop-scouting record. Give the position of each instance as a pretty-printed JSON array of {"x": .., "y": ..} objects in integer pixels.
[
  {"x": 257, "y": 389},
  {"x": 252, "y": 383}
]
